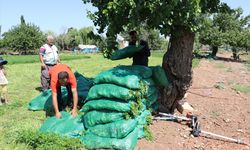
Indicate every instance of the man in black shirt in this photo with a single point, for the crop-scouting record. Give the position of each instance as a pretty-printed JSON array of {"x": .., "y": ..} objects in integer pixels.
[{"x": 141, "y": 57}]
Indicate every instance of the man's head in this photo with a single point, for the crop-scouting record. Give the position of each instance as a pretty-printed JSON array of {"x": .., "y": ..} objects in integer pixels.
[
  {"x": 50, "y": 39},
  {"x": 133, "y": 36},
  {"x": 63, "y": 78}
]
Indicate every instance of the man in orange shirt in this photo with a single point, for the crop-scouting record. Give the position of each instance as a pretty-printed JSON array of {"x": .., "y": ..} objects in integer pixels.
[{"x": 61, "y": 75}]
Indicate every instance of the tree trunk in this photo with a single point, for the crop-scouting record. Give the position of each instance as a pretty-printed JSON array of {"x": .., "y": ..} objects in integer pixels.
[
  {"x": 235, "y": 53},
  {"x": 177, "y": 63},
  {"x": 214, "y": 50}
]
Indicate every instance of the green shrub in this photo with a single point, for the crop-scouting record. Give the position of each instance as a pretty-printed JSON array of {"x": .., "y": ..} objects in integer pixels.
[
  {"x": 248, "y": 67},
  {"x": 148, "y": 133},
  {"x": 219, "y": 85},
  {"x": 195, "y": 62},
  {"x": 46, "y": 141},
  {"x": 242, "y": 88}
]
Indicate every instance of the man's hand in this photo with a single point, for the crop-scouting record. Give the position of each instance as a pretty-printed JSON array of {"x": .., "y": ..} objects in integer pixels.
[
  {"x": 74, "y": 112},
  {"x": 58, "y": 115},
  {"x": 43, "y": 66}
]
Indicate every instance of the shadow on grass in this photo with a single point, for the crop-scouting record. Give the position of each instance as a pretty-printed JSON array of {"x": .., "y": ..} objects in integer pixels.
[
  {"x": 39, "y": 89},
  {"x": 226, "y": 59}
]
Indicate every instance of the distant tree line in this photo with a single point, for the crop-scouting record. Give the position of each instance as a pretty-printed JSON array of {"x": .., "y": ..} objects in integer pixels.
[{"x": 26, "y": 38}]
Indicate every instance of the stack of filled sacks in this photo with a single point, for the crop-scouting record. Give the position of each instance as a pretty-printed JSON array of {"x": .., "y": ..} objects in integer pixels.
[
  {"x": 116, "y": 112},
  {"x": 44, "y": 100}
]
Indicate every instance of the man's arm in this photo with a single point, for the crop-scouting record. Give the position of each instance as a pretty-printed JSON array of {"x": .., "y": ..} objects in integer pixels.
[
  {"x": 75, "y": 102},
  {"x": 41, "y": 60},
  {"x": 55, "y": 105},
  {"x": 58, "y": 59},
  {"x": 41, "y": 53}
]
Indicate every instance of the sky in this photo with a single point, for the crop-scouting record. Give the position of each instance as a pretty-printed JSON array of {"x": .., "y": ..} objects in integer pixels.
[{"x": 58, "y": 15}]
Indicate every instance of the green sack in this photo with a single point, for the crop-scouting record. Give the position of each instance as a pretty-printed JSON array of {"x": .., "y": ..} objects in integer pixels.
[
  {"x": 151, "y": 90},
  {"x": 94, "y": 117},
  {"x": 111, "y": 91},
  {"x": 96, "y": 142},
  {"x": 142, "y": 71},
  {"x": 107, "y": 104},
  {"x": 142, "y": 118},
  {"x": 118, "y": 129},
  {"x": 44, "y": 100},
  {"x": 154, "y": 106},
  {"x": 65, "y": 126},
  {"x": 122, "y": 77},
  {"x": 152, "y": 99},
  {"x": 160, "y": 77},
  {"x": 149, "y": 82},
  {"x": 141, "y": 133},
  {"x": 127, "y": 76},
  {"x": 83, "y": 86},
  {"x": 128, "y": 51}
]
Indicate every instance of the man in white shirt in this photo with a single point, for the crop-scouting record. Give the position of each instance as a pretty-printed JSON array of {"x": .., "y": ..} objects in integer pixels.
[{"x": 49, "y": 57}]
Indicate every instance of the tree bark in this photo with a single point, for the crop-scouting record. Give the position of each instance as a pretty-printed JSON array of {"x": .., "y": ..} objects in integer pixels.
[
  {"x": 214, "y": 50},
  {"x": 235, "y": 53},
  {"x": 177, "y": 63}
]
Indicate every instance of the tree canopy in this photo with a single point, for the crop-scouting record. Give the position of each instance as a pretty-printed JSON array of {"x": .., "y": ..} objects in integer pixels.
[
  {"x": 23, "y": 37},
  {"x": 178, "y": 19},
  {"x": 158, "y": 14},
  {"x": 225, "y": 28},
  {"x": 115, "y": 16}
]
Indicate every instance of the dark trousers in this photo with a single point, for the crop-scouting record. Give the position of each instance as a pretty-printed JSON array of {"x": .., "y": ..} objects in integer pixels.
[
  {"x": 62, "y": 104},
  {"x": 142, "y": 60},
  {"x": 45, "y": 78}
]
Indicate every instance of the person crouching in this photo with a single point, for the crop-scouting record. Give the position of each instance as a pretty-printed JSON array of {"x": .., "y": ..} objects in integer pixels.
[{"x": 61, "y": 75}]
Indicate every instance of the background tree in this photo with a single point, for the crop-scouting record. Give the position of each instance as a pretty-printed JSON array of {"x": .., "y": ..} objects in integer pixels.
[
  {"x": 237, "y": 34},
  {"x": 176, "y": 18},
  {"x": 246, "y": 40},
  {"x": 61, "y": 41},
  {"x": 22, "y": 20},
  {"x": 23, "y": 37},
  {"x": 50, "y": 32},
  {"x": 73, "y": 37},
  {"x": 224, "y": 28},
  {"x": 211, "y": 35},
  {"x": 152, "y": 36},
  {"x": 98, "y": 40},
  {"x": 85, "y": 35}
]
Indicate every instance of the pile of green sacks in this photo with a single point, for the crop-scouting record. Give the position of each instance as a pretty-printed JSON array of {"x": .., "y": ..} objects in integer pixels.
[
  {"x": 117, "y": 109},
  {"x": 118, "y": 106}
]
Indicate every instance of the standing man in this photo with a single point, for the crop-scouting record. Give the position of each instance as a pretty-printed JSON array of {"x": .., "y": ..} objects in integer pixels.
[
  {"x": 61, "y": 75},
  {"x": 48, "y": 57},
  {"x": 141, "y": 57}
]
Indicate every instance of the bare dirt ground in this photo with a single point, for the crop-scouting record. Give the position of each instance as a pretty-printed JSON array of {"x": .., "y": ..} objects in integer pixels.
[{"x": 220, "y": 110}]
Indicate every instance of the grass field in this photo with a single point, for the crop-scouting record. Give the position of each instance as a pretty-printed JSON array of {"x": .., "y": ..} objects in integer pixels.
[
  {"x": 23, "y": 73},
  {"x": 15, "y": 59}
]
